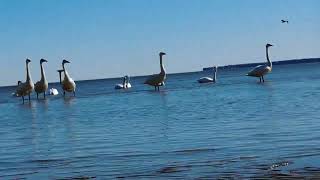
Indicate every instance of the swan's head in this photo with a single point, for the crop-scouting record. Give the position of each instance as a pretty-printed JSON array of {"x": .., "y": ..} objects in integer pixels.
[
  {"x": 162, "y": 54},
  {"x": 60, "y": 70},
  {"x": 269, "y": 45},
  {"x": 28, "y": 61},
  {"x": 19, "y": 82},
  {"x": 65, "y": 61},
  {"x": 42, "y": 61}
]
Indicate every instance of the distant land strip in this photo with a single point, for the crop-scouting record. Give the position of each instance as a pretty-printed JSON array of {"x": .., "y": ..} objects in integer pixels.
[{"x": 284, "y": 62}]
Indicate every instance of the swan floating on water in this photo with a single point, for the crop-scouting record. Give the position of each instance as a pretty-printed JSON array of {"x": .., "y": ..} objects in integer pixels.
[
  {"x": 67, "y": 84},
  {"x": 125, "y": 84},
  {"x": 42, "y": 85},
  {"x": 157, "y": 80},
  {"x": 261, "y": 70},
  {"x": 53, "y": 92},
  {"x": 26, "y": 88},
  {"x": 209, "y": 79}
]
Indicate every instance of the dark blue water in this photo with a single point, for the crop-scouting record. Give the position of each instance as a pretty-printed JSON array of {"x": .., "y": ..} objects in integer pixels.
[{"x": 237, "y": 128}]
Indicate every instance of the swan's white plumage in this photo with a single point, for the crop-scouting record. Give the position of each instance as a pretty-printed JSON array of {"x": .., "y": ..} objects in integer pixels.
[
  {"x": 261, "y": 70},
  {"x": 53, "y": 92},
  {"x": 68, "y": 83},
  {"x": 209, "y": 79}
]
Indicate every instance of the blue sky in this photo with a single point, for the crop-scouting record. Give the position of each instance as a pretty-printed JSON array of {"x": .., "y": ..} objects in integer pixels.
[{"x": 111, "y": 38}]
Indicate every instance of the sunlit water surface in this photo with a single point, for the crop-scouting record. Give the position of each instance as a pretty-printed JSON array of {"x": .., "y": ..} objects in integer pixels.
[{"x": 236, "y": 128}]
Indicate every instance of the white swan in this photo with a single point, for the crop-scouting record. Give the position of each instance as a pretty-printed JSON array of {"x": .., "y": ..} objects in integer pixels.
[
  {"x": 262, "y": 70},
  {"x": 26, "y": 88},
  {"x": 42, "y": 85},
  {"x": 209, "y": 79},
  {"x": 125, "y": 83},
  {"x": 128, "y": 84},
  {"x": 67, "y": 84},
  {"x": 157, "y": 80},
  {"x": 53, "y": 92}
]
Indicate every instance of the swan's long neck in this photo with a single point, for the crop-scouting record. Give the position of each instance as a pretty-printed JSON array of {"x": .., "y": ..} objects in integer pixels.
[
  {"x": 215, "y": 75},
  {"x": 124, "y": 82},
  {"x": 267, "y": 54},
  {"x": 163, "y": 71},
  {"x": 43, "y": 74},
  {"x": 28, "y": 73},
  {"x": 66, "y": 75}
]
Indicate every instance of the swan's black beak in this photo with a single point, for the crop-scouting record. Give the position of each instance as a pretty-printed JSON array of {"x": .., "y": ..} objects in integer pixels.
[
  {"x": 269, "y": 45},
  {"x": 28, "y": 60},
  {"x": 43, "y": 60},
  {"x": 65, "y": 61}
]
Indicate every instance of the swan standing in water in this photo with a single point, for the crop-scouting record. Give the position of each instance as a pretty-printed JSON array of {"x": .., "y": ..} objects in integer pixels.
[
  {"x": 67, "y": 84},
  {"x": 42, "y": 85},
  {"x": 157, "y": 80},
  {"x": 125, "y": 83},
  {"x": 26, "y": 88},
  {"x": 262, "y": 70},
  {"x": 208, "y": 79}
]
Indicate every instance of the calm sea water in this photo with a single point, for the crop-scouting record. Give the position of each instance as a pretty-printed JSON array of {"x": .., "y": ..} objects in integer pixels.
[{"x": 237, "y": 128}]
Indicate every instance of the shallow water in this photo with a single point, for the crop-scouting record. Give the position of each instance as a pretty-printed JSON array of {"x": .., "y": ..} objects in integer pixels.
[{"x": 237, "y": 128}]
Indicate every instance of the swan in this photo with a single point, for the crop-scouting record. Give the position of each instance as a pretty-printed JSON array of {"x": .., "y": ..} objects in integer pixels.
[
  {"x": 53, "y": 92},
  {"x": 125, "y": 83},
  {"x": 209, "y": 79},
  {"x": 26, "y": 88},
  {"x": 284, "y": 21},
  {"x": 42, "y": 85},
  {"x": 67, "y": 84},
  {"x": 128, "y": 84},
  {"x": 261, "y": 70},
  {"x": 157, "y": 80}
]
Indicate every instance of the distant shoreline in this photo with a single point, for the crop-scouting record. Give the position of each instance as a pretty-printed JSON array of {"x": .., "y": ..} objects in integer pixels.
[{"x": 284, "y": 62}]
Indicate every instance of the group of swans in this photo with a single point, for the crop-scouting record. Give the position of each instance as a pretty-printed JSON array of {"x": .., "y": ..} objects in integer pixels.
[
  {"x": 26, "y": 88},
  {"x": 125, "y": 83},
  {"x": 156, "y": 80}
]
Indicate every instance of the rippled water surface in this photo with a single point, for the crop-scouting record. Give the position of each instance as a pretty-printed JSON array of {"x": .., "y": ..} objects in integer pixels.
[{"x": 237, "y": 128}]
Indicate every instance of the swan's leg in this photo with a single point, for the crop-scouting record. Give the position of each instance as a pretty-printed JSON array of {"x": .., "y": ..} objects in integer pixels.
[
  {"x": 262, "y": 78},
  {"x": 64, "y": 93},
  {"x": 74, "y": 93},
  {"x": 37, "y": 96},
  {"x": 44, "y": 95},
  {"x": 22, "y": 99},
  {"x": 155, "y": 88},
  {"x": 29, "y": 97},
  {"x": 158, "y": 88}
]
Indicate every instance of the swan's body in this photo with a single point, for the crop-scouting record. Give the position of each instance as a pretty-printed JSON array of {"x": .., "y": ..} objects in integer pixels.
[
  {"x": 157, "y": 80},
  {"x": 261, "y": 70},
  {"x": 53, "y": 92},
  {"x": 209, "y": 79},
  {"x": 42, "y": 85},
  {"x": 27, "y": 87},
  {"x": 68, "y": 84},
  {"x": 125, "y": 83}
]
